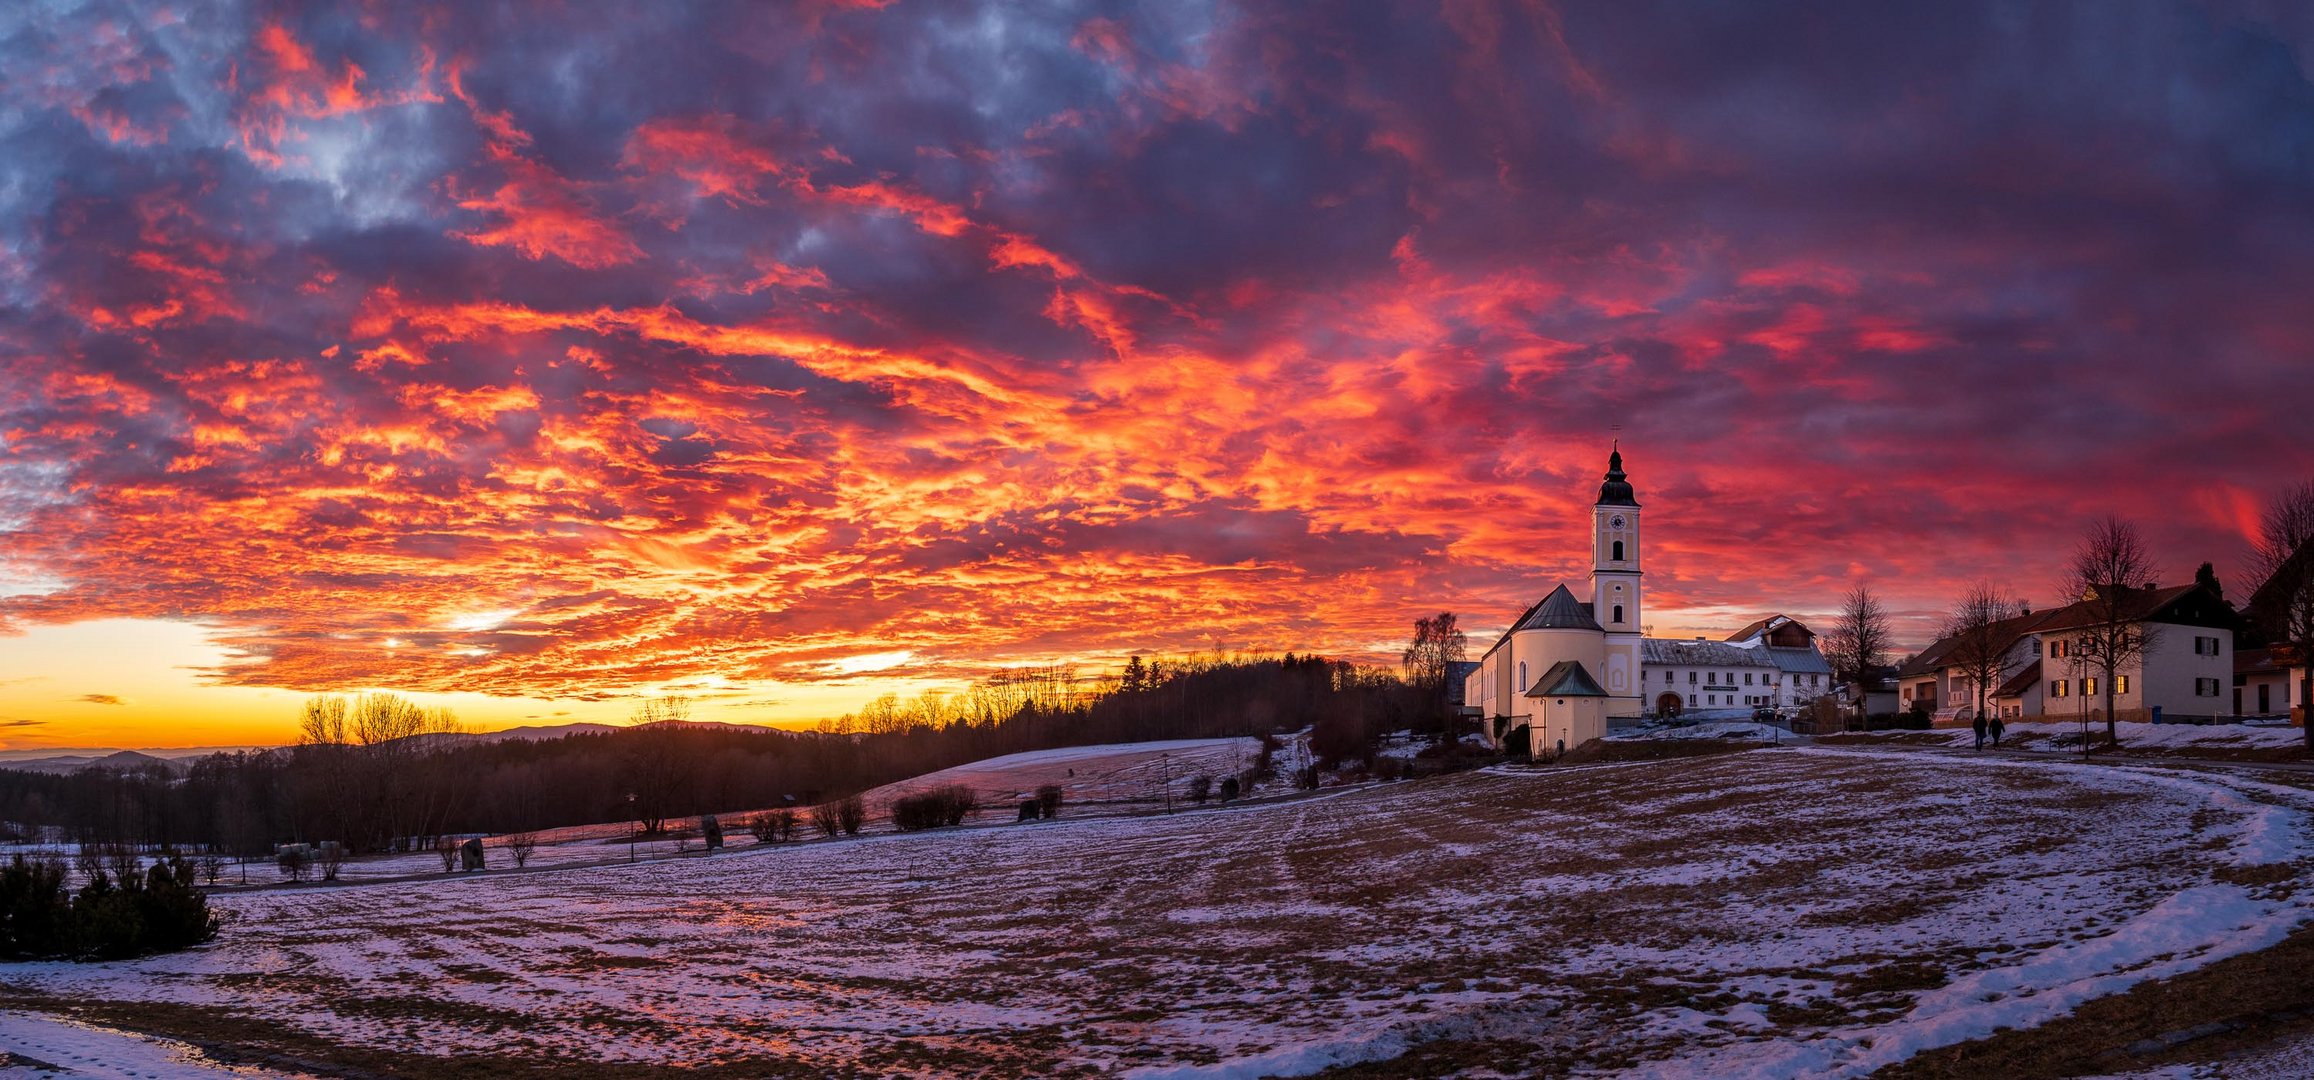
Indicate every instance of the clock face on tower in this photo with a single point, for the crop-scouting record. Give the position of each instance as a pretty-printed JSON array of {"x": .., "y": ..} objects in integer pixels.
[{"x": 1615, "y": 522}]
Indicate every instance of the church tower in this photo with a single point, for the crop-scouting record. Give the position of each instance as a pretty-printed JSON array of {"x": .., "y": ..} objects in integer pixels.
[{"x": 1615, "y": 587}]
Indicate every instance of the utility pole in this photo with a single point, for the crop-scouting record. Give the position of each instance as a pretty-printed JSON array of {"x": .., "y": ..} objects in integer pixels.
[
  {"x": 1165, "y": 778},
  {"x": 634, "y": 825}
]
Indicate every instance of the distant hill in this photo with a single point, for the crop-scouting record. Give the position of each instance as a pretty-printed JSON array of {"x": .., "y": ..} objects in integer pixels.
[
  {"x": 68, "y": 759},
  {"x": 121, "y": 760},
  {"x": 544, "y": 732}
]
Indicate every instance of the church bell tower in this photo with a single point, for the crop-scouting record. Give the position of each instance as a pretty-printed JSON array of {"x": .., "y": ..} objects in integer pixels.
[{"x": 1615, "y": 587}]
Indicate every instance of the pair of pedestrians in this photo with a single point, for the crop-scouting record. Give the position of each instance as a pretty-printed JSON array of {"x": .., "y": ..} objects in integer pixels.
[{"x": 1985, "y": 727}]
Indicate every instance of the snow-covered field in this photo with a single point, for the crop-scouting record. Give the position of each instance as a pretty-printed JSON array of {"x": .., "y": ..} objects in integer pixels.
[
  {"x": 1095, "y": 780},
  {"x": 1707, "y": 729},
  {"x": 2169, "y": 738},
  {"x": 32, "y": 1045},
  {"x": 1090, "y": 775},
  {"x": 1776, "y": 913}
]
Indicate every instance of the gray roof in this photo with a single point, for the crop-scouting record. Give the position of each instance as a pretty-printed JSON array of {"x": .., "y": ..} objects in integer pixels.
[
  {"x": 1802, "y": 661},
  {"x": 1679, "y": 652},
  {"x": 1567, "y": 678},
  {"x": 1560, "y": 611}
]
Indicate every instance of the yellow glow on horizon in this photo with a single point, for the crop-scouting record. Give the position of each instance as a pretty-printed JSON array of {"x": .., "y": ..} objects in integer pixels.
[{"x": 145, "y": 684}]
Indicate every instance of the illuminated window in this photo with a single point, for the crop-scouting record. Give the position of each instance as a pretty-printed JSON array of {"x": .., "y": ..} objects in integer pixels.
[{"x": 2121, "y": 684}]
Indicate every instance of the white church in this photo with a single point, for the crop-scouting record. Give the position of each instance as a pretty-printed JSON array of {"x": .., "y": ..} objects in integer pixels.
[{"x": 1565, "y": 666}]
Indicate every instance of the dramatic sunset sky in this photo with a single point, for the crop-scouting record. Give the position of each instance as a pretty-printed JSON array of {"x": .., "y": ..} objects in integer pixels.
[{"x": 534, "y": 358}]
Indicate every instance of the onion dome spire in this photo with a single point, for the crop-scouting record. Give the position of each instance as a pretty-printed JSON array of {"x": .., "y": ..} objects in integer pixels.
[{"x": 1617, "y": 490}]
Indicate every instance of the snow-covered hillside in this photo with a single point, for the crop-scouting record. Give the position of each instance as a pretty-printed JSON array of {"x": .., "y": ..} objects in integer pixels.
[
  {"x": 1127, "y": 772},
  {"x": 1793, "y": 913}
]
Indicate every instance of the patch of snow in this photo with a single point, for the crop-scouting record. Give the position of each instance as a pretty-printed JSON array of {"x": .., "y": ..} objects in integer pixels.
[{"x": 62, "y": 1047}]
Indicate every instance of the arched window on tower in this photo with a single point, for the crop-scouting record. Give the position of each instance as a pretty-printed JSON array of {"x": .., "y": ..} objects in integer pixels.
[
  {"x": 1522, "y": 675},
  {"x": 1618, "y": 613},
  {"x": 1618, "y": 551}
]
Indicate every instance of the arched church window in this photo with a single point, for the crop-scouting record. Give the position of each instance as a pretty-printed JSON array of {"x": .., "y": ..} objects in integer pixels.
[
  {"x": 1618, "y": 551},
  {"x": 1618, "y": 613},
  {"x": 1522, "y": 674}
]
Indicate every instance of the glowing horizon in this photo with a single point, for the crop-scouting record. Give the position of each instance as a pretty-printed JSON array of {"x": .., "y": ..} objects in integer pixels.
[{"x": 473, "y": 356}]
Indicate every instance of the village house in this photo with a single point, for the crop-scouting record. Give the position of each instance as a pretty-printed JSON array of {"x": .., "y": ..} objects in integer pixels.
[
  {"x": 2186, "y": 670},
  {"x": 1803, "y": 675},
  {"x": 1935, "y": 682},
  {"x": 2270, "y": 678},
  {"x": 1687, "y": 676}
]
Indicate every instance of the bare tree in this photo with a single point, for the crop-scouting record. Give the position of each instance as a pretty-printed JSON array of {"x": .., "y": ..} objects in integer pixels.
[
  {"x": 2284, "y": 605},
  {"x": 1980, "y": 639},
  {"x": 1860, "y": 635},
  {"x": 521, "y": 845},
  {"x": 655, "y": 769},
  {"x": 2109, "y": 572},
  {"x": 1438, "y": 643},
  {"x": 372, "y": 754},
  {"x": 851, "y": 813}
]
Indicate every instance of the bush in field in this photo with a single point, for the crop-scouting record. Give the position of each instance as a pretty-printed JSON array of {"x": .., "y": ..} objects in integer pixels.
[
  {"x": 1229, "y": 788},
  {"x": 946, "y": 805},
  {"x": 293, "y": 861},
  {"x": 824, "y": 819},
  {"x": 1306, "y": 778},
  {"x": 851, "y": 813},
  {"x": 521, "y": 845},
  {"x": 1200, "y": 789},
  {"x": 764, "y": 827},
  {"x": 785, "y": 819},
  {"x": 212, "y": 866},
  {"x": 156, "y": 911},
  {"x": 447, "y": 850},
  {"x": 331, "y": 855},
  {"x": 1048, "y": 799}
]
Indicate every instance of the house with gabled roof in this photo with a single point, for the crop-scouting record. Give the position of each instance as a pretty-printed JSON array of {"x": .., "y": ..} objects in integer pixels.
[
  {"x": 1802, "y": 673},
  {"x": 2045, "y": 671},
  {"x": 2274, "y": 679},
  {"x": 1934, "y": 681}
]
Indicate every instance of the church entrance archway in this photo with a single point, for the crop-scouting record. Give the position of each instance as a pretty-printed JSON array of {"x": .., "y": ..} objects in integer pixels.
[{"x": 1667, "y": 705}]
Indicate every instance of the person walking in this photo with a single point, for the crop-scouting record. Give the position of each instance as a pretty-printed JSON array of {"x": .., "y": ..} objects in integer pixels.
[
  {"x": 1996, "y": 730},
  {"x": 1980, "y": 726}
]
